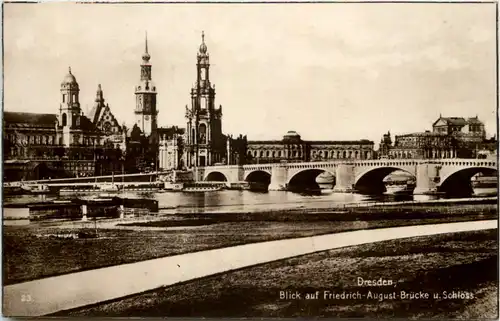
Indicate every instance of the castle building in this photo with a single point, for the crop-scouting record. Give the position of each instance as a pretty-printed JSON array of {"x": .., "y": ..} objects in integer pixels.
[
  {"x": 65, "y": 144},
  {"x": 205, "y": 144}
]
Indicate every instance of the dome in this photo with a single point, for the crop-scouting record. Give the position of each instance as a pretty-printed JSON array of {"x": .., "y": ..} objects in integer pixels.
[
  {"x": 69, "y": 79},
  {"x": 292, "y": 133},
  {"x": 203, "y": 46}
]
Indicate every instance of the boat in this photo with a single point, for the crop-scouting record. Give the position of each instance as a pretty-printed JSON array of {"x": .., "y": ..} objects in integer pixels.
[
  {"x": 12, "y": 189},
  {"x": 483, "y": 185},
  {"x": 399, "y": 184},
  {"x": 36, "y": 189},
  {"x": 202, "y": 189}
]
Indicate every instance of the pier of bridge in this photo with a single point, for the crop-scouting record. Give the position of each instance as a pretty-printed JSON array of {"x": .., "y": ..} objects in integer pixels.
[{"x": 432, "y": 176}]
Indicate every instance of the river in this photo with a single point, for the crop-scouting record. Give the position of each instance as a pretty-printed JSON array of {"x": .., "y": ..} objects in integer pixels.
[{"x": 236, "y": 201}]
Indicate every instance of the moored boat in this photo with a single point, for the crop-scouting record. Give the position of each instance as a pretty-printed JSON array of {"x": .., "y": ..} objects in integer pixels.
[{"x": 202, "y": 189}]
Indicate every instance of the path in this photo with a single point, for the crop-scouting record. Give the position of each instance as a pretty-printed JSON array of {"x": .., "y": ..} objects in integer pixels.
[{"x": 49, "y": 295}]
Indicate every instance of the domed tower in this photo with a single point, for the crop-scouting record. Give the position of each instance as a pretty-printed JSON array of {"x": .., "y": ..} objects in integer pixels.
[
  {"x": 69, "y": 108},
  {"x": 205, "y": 142},
  {"x": 145, "y": 93}
]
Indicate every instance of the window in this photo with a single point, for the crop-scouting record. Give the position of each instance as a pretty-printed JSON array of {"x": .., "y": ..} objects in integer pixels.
[
  {"x": 64, "y": 98},
  {"x": 64, "y": 119}
]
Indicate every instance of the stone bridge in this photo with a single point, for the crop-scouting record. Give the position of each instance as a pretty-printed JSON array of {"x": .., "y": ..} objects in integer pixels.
[{"x": 431, "y": 175}]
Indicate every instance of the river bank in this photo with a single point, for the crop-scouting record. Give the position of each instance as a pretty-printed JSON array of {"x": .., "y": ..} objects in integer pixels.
[
  {"x": 30, "y": 253},
  {"x": 458, "y": 271}
]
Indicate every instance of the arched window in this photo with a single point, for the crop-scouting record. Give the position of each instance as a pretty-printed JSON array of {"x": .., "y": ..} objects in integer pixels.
[
  {"x": 193, "y": 137},
  {"x": 344, "y": 154},
  {"x": 261, "y": 153},
  {"x": 203, "y": 133},
  {"x": 64, "y": 119}
]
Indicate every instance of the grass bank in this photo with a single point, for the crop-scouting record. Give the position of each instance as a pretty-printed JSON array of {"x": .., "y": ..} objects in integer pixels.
[
  {"x": 28, "y": 256},
  {"x": 462, "y": 264}
]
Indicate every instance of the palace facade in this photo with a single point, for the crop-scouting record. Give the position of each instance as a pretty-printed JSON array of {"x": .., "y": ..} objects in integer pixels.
[{"x": 293, "y": 149}]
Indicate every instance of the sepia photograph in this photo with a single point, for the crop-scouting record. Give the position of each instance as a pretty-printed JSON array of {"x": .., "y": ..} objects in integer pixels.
[{"x": 257, "y": 160}]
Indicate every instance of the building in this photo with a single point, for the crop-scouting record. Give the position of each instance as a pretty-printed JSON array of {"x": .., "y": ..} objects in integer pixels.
[
  {"x": 65, "y": 144},
  {"x": 451, "y": 137},
  {"x": 293, "y": 149},
  {"x": 142, "y": 141},
  {"x": 205, "y": 144},
  {"x": 171, "y": 148},
  {"x": 470, "y": 128}
]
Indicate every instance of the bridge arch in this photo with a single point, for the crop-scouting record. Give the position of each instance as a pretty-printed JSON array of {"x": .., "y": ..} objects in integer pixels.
[
  {"x": 457, "y": 182},
  {"x": 216, "y": 176},
  {"x": 258, "y": 179},
  {"x": 305, "y": 179},
  {"x": 371, "y": 180}
]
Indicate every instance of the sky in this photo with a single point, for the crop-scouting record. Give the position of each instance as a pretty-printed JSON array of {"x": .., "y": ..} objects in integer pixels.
[{"x": 337, "y": 71}]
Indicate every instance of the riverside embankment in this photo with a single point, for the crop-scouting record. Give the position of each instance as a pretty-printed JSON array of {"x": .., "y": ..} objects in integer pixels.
[{"x": 74, "y": 290}]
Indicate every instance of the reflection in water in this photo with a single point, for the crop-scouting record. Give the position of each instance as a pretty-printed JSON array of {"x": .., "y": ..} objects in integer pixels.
[{"x": 248, "y": 201}]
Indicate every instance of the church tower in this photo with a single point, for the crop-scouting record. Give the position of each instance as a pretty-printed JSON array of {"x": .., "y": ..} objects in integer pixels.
[
  {"x": 145, "y": 93},
  {"x": 69, "y": 108},
  {"x": 205, "y": 142}
]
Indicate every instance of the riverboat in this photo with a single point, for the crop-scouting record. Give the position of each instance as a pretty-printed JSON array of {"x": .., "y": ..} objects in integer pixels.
[
  {"x": 201, "y": 187},
  {"x": 24, "y": 189},
  {"x": 484, "y": 185},
  {"x": 36, "y": 189}
]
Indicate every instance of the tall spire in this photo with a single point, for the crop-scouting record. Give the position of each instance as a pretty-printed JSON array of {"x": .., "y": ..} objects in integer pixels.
[
  {"x": 99, "y": 94},
  {"x": 203, "y": 46},
  {"x": 146, "y": 56}
]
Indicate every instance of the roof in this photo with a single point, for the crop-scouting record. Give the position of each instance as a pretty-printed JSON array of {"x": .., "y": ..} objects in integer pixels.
[
  {"x": 170, "y": 131},
  {"x": 30, "y": 119},
  {"x": 459, "y": 121},
  {"x": 314, "y": 142},
  {"x": 426, "y": 133},
  {"x": 87, "y": 125},
  {"x": 95, "y": 113},
  {"x": 474, "y": 121}
]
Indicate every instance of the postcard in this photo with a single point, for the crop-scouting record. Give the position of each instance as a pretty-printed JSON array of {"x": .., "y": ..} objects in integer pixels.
[{"x": 257, "y": 160}]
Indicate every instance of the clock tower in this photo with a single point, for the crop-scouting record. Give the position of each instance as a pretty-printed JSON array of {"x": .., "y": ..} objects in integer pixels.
[
  {"x": 205, "y": 142},
  {"x": 145, "y": 95}
]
